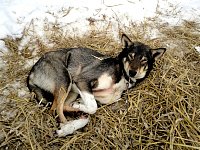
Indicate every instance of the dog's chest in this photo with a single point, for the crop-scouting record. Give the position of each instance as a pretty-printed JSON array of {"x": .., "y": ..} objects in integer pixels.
[{"x": 107, "y": 91}]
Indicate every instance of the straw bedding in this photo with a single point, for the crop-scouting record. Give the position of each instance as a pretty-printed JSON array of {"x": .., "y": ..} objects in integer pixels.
[{"x": 162, "y": 112}]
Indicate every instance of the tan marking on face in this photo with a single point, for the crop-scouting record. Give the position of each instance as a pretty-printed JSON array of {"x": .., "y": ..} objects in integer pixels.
[
  {"x": 141, "y": 72},
  {"x": 126, "y": 65}
]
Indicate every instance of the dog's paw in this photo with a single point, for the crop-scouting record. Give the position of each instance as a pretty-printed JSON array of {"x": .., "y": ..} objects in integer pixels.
[
  {"x": 71, "y": 126},
  {"x": 76, "y": 105}
]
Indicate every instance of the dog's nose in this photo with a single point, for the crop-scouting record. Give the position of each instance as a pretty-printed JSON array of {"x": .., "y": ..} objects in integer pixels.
[{"x": 132, "y": 73}]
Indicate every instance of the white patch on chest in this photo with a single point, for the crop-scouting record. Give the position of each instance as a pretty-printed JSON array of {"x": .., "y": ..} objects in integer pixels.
[
  {"x": 104, "y": 82},
  {"x": 111, "y": 94}
]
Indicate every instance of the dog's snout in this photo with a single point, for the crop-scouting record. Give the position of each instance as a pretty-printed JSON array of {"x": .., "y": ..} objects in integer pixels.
[{"x": 132, "y": 73}]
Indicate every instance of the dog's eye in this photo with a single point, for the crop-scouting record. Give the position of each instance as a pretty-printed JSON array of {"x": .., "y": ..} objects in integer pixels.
[
  {"x": 145, "y": 67},
  {"x": 143, "y": 60},
  {"x": 131, "y": 56}
]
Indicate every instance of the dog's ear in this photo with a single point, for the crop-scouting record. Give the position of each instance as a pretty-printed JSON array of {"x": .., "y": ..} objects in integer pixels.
[
  {"x": 126, "y": 42},
  {"x": 157, "y": 53}
]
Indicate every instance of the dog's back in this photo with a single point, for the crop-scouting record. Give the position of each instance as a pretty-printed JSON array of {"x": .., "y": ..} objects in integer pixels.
[{"x": 53, "y": 69}]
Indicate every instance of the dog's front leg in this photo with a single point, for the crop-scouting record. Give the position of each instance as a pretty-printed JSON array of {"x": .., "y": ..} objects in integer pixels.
[{"x": 88, "y": 103}]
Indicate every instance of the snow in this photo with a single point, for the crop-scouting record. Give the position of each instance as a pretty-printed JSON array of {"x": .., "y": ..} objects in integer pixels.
[
  {"x": 197, "y": 48},
  {"x": 2, "y": 46},
  {"x": 18, "y": 14}
]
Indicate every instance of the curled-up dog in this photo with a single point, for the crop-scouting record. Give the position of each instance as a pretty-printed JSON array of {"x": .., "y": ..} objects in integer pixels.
[{"x": 64, "y": 74}]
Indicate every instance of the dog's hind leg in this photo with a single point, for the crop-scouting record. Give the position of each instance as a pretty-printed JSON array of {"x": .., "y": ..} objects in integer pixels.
[
  {"x": 38, "y": 93},
  {"x": 61, "y": 92},
  {"x": 71, "y": 126},
  {"x": 60, "y": 98},
  {"x": 53, "y": 107},
  {"x": 63, "y": 96}
]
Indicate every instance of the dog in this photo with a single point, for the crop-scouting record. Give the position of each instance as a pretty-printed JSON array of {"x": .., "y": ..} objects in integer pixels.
[{"x": 64, "y": 74}]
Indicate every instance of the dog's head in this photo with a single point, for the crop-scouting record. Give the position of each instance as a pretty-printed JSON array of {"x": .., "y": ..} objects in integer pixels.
[{"x": 138, "y": 58}]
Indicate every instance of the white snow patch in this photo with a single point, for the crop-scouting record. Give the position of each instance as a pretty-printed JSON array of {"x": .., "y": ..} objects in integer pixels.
[
  {"x": 3, "y": 48},
  {"x": 6, "y": 92},
  {"x": 72, "y": 15},
  {"x": 22, "y": 92},
  {"x": 30, "y": 62},
  {"x": 2, "y": 65},
  {"x": 197, "y": 48}
]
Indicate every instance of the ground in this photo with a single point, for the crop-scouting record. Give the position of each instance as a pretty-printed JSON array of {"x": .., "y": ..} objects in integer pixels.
[{"x": 162, "y": 112}]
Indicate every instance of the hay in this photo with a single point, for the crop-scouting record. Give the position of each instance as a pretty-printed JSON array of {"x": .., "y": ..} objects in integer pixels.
[{"x": 163, "y": 112}]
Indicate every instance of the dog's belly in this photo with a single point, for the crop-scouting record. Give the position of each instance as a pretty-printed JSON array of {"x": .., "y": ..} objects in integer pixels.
[{"x": 110, "y": 94}]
